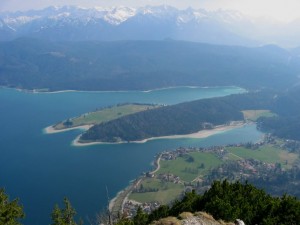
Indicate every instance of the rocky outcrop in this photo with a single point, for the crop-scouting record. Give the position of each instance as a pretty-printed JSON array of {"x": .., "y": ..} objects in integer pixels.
[
  {"x": 239, "y": 222},
  {"x": 199, "y": 218}
]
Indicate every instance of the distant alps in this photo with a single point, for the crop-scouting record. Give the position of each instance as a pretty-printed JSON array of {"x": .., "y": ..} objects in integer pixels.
[{"x": 72, "y": 23}]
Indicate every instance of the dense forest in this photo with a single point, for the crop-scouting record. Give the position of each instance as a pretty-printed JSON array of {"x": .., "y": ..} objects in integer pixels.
[
  {"x": 142, "y": 65},
  {"x": 287, "y": 124},
  {"x": 184, "y": 118}
]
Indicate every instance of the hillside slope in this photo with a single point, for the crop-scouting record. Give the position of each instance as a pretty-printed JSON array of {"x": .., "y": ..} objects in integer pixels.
[{"x": 142, "y": 65}]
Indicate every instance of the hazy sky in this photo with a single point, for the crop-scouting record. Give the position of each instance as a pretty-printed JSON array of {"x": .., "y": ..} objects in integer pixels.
[{"x": 278, "y": 9}]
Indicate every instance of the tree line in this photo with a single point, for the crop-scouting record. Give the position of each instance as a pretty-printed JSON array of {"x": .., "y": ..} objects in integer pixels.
[{"x": 224, "y": 200}]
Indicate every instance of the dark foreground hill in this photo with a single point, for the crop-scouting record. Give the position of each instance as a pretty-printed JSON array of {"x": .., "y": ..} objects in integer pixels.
[{"x": 141, "y": 65}]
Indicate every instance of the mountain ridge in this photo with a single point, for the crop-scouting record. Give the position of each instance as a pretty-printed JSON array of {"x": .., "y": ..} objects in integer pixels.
[
  {"x": 121, "y": 23},
  {"x": 142, "y": 65},
  {"x": 157, "y": 23}
]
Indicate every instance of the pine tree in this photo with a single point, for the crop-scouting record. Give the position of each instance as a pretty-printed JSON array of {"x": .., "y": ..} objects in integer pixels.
[
  {"x": 64, "y": 216},
  {"x": 140, "y": 218},
  {"x": 10, "y": 211}
]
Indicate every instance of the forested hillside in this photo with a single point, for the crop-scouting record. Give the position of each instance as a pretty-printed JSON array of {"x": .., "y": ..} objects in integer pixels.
[
  {"x": 184, "y": 118},
  {"x": 142, "y": 65},
  {"x": 287, "y": 124}
]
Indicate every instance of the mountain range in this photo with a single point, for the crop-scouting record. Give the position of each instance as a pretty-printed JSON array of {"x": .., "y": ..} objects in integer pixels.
[{"x": 72, "y": 23}]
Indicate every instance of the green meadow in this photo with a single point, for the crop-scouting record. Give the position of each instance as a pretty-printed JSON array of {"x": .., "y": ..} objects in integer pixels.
[
  {"x": 253, "y": 115},
  {"x": 265, "y": 153},
  {"x": 190, "y": 166},
  {"x": 103, "y": 115},
  {"x": 167, "y": 191}
]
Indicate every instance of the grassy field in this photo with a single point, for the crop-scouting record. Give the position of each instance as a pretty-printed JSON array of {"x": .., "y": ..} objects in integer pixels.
[
  {"x": 266, "y": 153},
  {"x": 253, "y": 115},
  {"x": 104, "y": 115},
  {"x": 167, "y": 191},
  {"x": 188, "y": 169}
]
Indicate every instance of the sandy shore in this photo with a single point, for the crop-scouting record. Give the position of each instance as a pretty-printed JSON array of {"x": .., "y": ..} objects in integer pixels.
[
  {"x": 51, "y": 130},
  {"x": 200, "y": 134}
]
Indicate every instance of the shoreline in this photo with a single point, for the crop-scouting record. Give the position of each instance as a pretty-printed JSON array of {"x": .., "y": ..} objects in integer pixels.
[
  {"x": 116, "y": 205},
  {"x": 51, "y": 130},
  {"x": 39, "y": 91},
  {"x": 124, "y": 194},
  {"x": 199, "y": 134}
]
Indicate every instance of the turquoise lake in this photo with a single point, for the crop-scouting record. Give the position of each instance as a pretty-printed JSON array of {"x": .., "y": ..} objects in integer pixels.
[{"x": 41, "y": 169}]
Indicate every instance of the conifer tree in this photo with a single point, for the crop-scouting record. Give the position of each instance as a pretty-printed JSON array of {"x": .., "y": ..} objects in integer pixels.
[
  {"x": 64, "y": 216},
  {"x": 10, "y": 211},
  {"x": 140, "y": 218}
]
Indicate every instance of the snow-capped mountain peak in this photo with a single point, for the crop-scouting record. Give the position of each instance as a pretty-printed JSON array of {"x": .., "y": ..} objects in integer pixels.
[
  {"x": 149, "y": 22},
  {"x": 190, "y": 15},
  {"x": 119, "y": 15},
  {"x": 113, "y": 15},
  {"x": 20, "y": 20}
]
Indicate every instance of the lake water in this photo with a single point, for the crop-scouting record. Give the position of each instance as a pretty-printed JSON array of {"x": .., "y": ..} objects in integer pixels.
[{"x": 41, "y": 169}]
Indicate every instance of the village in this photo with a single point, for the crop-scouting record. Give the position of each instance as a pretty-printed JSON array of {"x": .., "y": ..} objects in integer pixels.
[{"x": 242, "y": 169}]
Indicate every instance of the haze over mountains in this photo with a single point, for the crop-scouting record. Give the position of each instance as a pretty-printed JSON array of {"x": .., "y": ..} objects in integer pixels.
[{"x": 71, "y": 23}]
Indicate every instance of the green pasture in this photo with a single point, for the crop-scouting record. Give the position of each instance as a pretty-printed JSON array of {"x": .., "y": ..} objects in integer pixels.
[
  {"x": 189, "y": 168},
  {"x": 167, "y": 191},
  {"x": 266, "y": 153},
  {"x": 104, "y": 115},
  {"x": 253, "y": 115}
]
